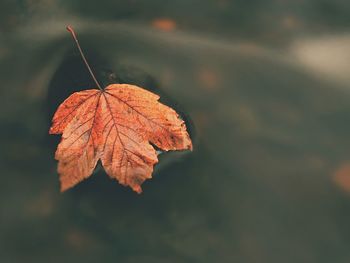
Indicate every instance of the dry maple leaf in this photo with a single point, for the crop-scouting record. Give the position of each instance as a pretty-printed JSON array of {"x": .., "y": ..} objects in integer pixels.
[{"x": 117, "y": 126}]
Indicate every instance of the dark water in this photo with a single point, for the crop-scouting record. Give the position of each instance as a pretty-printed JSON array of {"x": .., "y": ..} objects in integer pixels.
[{"x": 264, "y": 88}]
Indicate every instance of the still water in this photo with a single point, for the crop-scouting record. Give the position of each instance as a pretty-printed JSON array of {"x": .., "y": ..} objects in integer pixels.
[{"x": 264, "y": 91}]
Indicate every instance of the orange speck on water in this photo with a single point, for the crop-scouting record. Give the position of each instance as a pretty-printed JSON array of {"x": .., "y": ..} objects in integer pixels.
[
  {"x": 290, "y": 22},
  {"x": 208, "y": 79},
  {"x": 341, "y": 177},
  {"x": 164, "y": 24}
]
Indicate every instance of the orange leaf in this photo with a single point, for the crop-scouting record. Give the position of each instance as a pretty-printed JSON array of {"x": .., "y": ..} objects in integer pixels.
[{"x": 117, "y": 126}]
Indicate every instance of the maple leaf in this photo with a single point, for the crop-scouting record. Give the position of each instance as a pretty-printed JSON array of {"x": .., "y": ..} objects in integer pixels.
[{"x": 118, "y": 126}]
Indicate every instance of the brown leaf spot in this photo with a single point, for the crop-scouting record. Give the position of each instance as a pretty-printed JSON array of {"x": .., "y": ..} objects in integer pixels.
[
  {"x": 341, "y": 177},
  {"x": 290, "y": 22},
  {"x": 79, "y": 240},
  {"x": 164, "y": 24},
  {"x": 41, "y": 205},
  {"x": 208, "y": 79}
]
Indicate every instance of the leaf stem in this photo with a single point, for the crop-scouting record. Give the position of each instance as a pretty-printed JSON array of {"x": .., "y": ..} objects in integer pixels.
[{"x": 71, "y": 30}]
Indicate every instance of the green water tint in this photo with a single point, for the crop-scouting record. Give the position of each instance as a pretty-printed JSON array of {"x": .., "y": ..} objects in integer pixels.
[{"x": 259, "y": 186}]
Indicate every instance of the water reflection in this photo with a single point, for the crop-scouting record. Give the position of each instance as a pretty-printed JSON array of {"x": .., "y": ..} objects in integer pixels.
[{"x": 326, "y": 56}]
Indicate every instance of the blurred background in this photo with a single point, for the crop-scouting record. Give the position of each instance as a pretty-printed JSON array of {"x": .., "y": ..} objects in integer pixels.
[{"x": 264, "y": 89}]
